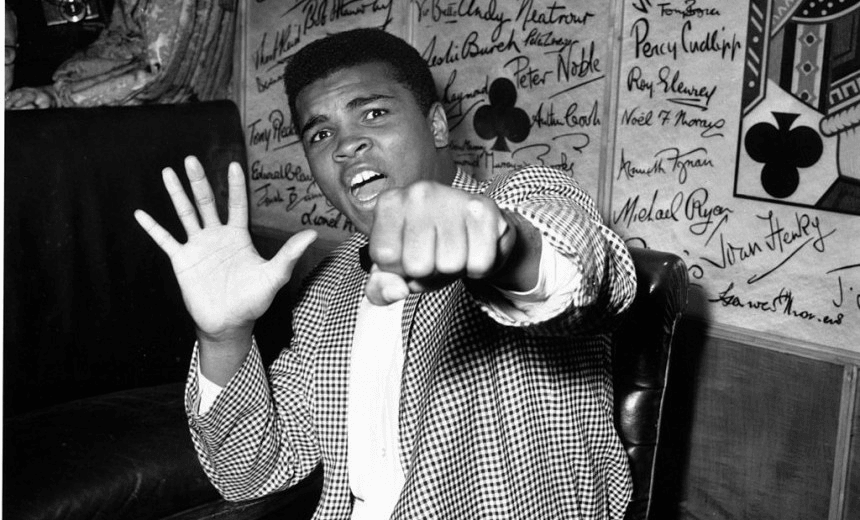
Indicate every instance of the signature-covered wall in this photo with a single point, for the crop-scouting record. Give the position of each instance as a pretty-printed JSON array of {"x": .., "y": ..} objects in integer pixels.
[
  {"x": 725, "y": 134},
  {"x": 737, "y": 148}
]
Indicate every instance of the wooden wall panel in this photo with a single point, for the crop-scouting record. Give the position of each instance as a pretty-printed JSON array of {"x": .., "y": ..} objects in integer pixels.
[{"x": 760, "y": 432}]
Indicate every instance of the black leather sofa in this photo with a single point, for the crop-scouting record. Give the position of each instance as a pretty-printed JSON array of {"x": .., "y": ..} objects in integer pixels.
[
  {"x": 97, "y": 341},
  {"x": 96, "y": 338}
]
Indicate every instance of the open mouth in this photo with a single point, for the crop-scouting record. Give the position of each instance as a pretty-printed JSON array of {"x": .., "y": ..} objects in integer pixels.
[{"x": 367, "y": 185}]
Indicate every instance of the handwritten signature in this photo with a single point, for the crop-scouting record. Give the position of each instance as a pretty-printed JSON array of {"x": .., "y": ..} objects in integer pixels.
[
  {"x": 316, "y": 13},
  {"x": 554, "y": 14},
  {"x": 668, "y": 160},
  {"x": 438, "y": 10},
  {"x": 280, "y": 130},
  {"x": 468, "y": 48},
  {"x": 455, "y": 101},
  {"x": 694, "y": 207},
  {"x": 573, "y": 118},
  {"x": 845, "y": 289},
  {"x": 633, "y": 116},
  {"x": 671, "y": 83},
  {"x": 783, "y": 303},
  {"x": 716, "y": 41},
  {"x": 690, "y": 10}
]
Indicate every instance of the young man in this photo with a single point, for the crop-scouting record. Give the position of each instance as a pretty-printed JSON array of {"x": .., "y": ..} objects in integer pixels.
[{"x": 447, "y": 360}]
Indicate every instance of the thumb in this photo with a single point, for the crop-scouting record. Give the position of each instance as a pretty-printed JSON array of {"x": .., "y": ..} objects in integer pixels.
[
  {"x": 506, "y": 242},
  {"x": 284, "y": 261},
  {"x": 384, "y": 288}
]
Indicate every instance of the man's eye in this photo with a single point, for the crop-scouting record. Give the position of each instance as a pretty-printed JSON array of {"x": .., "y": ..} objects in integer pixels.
[
  {"x": 319, "y": 136},
  {"x": 373, "y": 113}
]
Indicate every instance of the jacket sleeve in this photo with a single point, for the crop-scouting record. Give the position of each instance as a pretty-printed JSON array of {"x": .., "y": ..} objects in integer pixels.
[
  {"x": 566, "y": 216},
  {"x": 259, "y": 436}
]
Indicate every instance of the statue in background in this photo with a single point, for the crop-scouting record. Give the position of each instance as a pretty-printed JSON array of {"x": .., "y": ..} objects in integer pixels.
[
  {"x": 11, "y": 41},
  {"x": 27, "y": 97},
  {"x": 153, "y": 51}
]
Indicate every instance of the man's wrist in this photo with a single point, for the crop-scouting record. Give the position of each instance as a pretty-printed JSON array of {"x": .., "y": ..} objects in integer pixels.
[
  {"x": 227, "y": 337},
  {"x": 223, "y": 355}
]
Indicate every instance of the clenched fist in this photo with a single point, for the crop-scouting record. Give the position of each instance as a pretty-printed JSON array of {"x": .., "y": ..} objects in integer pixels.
[{"x": 427, "y": 234}]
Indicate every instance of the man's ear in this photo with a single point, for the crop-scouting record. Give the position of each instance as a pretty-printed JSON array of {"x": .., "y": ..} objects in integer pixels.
[{"x": 439, "y": 125}]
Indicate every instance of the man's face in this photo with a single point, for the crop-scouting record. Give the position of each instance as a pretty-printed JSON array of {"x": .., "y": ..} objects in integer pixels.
[{"x": 364, "y": 133}]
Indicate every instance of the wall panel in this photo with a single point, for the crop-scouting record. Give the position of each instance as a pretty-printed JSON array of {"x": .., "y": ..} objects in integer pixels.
[{"x": 758, "y": 430}]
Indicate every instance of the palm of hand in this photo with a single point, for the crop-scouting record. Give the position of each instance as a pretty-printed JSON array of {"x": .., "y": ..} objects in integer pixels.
[{"x": 225, "y": 283}]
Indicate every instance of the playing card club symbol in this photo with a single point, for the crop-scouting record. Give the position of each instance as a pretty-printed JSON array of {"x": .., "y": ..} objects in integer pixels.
[
  {"x": 501, "y": 119},
  {"x": 783, "y": 150}
]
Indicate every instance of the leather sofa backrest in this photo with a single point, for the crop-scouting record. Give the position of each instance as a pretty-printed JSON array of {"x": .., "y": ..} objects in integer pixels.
[{"x": 91, "y": 305}]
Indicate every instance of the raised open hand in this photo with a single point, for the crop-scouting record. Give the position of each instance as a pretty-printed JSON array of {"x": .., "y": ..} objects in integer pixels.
[{"x": 225, "y": 283}]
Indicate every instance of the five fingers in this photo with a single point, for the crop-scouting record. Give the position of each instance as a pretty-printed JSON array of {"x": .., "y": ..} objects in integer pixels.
[{"x": 204, "y": 203}]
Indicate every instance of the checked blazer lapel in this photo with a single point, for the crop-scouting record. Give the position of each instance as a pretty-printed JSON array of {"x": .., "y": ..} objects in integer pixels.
[
  {"x": 332, "y": 378},
  {"x": 424, "y": 334}
]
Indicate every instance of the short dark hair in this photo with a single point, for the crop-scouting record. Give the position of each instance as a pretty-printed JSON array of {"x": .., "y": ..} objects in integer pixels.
[{"x": 339, "y": 51}]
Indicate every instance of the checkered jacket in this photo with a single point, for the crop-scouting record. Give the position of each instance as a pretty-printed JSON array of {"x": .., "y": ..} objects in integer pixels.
[{"x": 497, "y": 419}]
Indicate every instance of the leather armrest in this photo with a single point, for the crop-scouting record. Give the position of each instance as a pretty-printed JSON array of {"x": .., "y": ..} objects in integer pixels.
[{"x": 642, "y": 347}]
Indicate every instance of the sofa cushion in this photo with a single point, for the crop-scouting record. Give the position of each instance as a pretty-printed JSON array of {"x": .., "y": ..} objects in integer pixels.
[{"x": 120, "y": 455}]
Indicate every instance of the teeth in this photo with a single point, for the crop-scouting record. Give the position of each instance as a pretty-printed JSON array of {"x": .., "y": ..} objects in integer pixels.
[
  {"x": 366, "y": 185},
  {"x": 363, "y": 177}
]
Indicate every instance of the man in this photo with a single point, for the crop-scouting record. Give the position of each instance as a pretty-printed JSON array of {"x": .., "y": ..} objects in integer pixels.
[{"x": 433, "y": 369}]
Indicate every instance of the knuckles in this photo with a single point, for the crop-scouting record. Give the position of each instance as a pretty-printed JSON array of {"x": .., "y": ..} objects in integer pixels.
[
  {"x": 399, "y": 244},
  {"x": 409, "y": 197},
  {"x": 450, "y": 261},
  {"x": 386, "y": 256},
  {"x": 480, "y": 208},
  {"x": 481, "y": 266},
  {"x": 421, "y": 192},
  {"x": 418, "y": 265}
]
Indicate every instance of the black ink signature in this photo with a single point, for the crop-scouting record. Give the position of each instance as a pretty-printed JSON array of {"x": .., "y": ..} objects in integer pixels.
[
  {"x": 682, "y": 162},
  {"x": 689, "y": 10},
  {"x": 783, "y": 303},
  {"x": 842, "y": 287},
  {"x": 554, "y": 14}
]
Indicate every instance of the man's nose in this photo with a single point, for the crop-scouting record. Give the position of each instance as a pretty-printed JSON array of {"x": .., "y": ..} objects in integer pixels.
[{"x": 350, "y": 146}]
